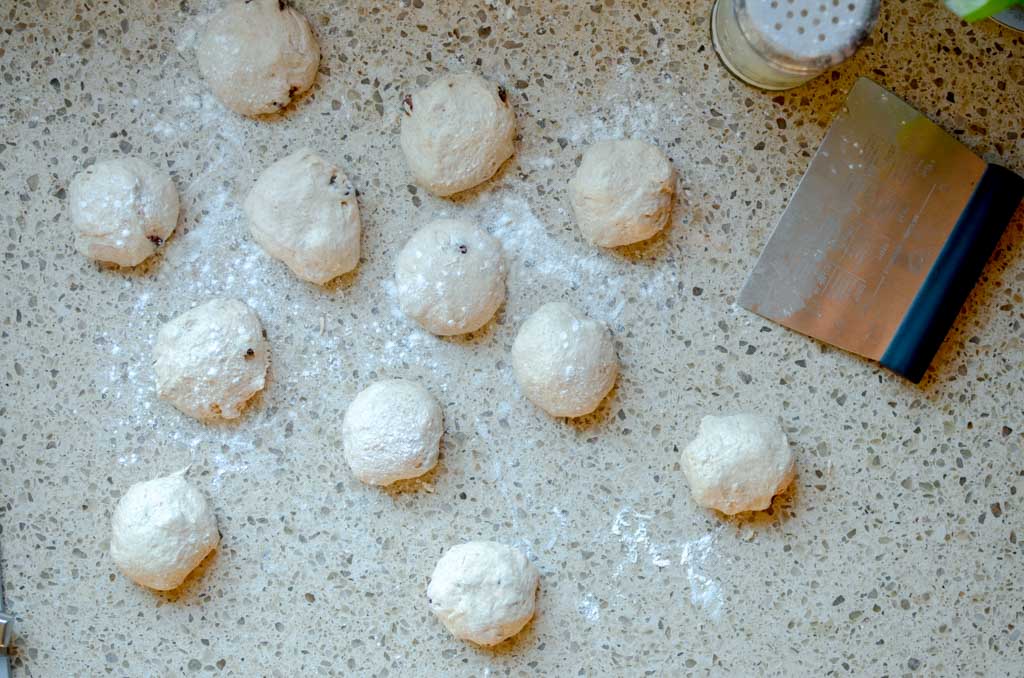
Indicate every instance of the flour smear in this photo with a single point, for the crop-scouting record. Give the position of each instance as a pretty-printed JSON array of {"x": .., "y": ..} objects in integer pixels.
[
  {"x": 214, "y": 256},
  {"x": 632, "y": 529}
]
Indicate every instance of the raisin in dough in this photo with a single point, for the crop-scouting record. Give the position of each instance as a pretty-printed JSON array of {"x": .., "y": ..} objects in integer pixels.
[
  {"x": 303, "y": 211},
  {"x": 457, "y": 132},
  {"x": 161, "y": 530},
  {"x": 622, "y": 192},
  {"x": 122, "y": 210},
  {"x": 391, "y": 432},
  {"x": 738, "y": 463},
  {"x": 258, "y": 55},
  {"x": 209, "y": 361},
  {"x": 450, "y": 277},
  {"x": 483, "y": 591},
  {"x": 564, "y": 361}
]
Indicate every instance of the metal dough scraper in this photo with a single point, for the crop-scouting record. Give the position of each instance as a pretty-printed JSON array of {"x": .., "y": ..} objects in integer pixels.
[{"x": 885, "y": 236}]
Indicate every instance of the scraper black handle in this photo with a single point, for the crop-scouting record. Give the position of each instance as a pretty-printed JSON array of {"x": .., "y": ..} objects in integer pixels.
[{"x": 954, "y": 273}]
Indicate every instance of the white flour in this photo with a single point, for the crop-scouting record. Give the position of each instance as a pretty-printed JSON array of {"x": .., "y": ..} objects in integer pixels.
[
  {"x": 632, "y": 530},
  {"x": 534, "y": 253},
  {"x": 705, "y": 593},
  {"x": 624, "y": 112},
  {"x": 216, "y": 257},
  {"x": 589, "y": 608}
]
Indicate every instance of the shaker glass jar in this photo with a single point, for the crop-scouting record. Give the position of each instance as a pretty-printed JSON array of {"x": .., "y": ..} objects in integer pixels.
[{"x": 779, "y": 44}]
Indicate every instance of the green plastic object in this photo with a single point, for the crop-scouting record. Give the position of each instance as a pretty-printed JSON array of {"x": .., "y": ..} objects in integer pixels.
[{"x": 976, "y": 10}]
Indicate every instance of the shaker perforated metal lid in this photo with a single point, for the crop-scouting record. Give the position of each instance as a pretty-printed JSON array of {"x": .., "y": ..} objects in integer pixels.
[{"x": 777, "y": 44}]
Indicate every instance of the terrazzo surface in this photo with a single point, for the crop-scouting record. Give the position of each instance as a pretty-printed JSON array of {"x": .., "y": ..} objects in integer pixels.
[{"x": 897, "y": 552}]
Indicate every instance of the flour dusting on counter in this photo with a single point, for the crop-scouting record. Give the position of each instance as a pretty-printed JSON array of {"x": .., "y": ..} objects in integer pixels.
[
  {"x": 623, "y": 112},
  {"x": 533, "y": 254},
  {"x": 631, "y": 529},
  {"x": 696, "y": 557},
  {"x": 705, "y": 592},
  {"x": 589, "y": 608}
]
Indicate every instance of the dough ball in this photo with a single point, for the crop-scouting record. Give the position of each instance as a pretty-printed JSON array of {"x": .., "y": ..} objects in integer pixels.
[
  {"x": 391, "y": 432},
  {"x": 450, "y": 277},
  {"x": 483, "y": 591},
  {"x": 457, "y": 132},
  {"x": 622, "y": 192},
  {"x": 564, "y": 361},
  {"x": 161, "y": 530},
  {"x": 122, "y": 210},
  {"x": 303, "y": 211},
  {"x": 738, "y": 463},
  {"x": 257, "y": 55},
  {"x": 209, "y": 361}
]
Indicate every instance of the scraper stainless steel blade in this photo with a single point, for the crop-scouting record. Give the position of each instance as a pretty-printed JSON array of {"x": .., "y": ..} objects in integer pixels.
[{"x": 885, "y": 235}]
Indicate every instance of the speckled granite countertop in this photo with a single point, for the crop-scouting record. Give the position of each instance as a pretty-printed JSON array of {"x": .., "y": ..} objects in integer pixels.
[{"x": 897, "y": 552}]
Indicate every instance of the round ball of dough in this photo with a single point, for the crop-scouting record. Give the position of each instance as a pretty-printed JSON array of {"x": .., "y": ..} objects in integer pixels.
[
  {"x": 303, "y": 211},
  {"x": 738, "y": 463},
  {"x": 622, "y": 192},
  {"x": 257, "y": 55},
  {"x": 122, "y": 210},
  {"x": 162, "y": 529},
  {"x": 483, "y": 591},
  {"x": 450, "y": 277},
  {"x": 564, "y": 361},
  {"x": 457, "y": 132},
  {"x": 391, "y": 432},
  {"x": 209, "y": 361}
]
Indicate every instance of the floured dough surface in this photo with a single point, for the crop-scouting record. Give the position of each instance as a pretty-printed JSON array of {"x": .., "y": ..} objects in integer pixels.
[
  {"x": 738, "y": 463},
  {"x": 161, "y": 530},
  {"x": 483, "y": 591},
  {"x": 391, "y": 432},
  {"x": 258, "y": 55},
  {"x": 450, "y": 277},
  {"x": 564, "y": 361},
  {"x": 122, "y": 210},
  {"x": 303, "y": 211},
  {"x": 457, "y": 132},
  {"x": 209, "y": 361},
  {"x": 622, "y": 192}
]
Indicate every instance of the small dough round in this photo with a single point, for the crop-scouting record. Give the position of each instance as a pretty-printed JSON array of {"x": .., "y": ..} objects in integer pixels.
[
  {"x": 303, "y": 211},
  {"x": 738, "y": 463},
  {"x": 161, "y": 530},
  {"x": 622, "y": 192},
  {"x": 483, "y": 591},
  {"x": 457, "y": 132},
  {"x": 564, "y": 361},
  {"x": 258, "y": 55},
  {"x": 122, "y": 210},
  {"x": 450, "y": 277},
  {"x": 391, "y": 432},
  {"x": 209, "y": 361}
]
